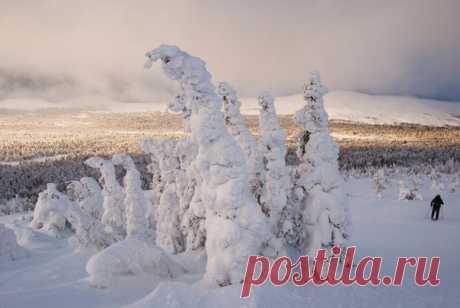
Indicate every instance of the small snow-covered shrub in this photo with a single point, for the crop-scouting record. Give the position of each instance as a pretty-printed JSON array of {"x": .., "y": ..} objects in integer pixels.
[
  {"x": 55, "y": 211},
  {"x": 9, "y": 248},
  {"x": 49, "y": 213},
  {"x": 89, "y": 232},
  {"x": 409, "y": 193}
]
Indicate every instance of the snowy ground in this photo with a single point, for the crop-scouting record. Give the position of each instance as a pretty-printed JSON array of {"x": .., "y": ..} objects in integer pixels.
[{"x": 54, "y": 276}]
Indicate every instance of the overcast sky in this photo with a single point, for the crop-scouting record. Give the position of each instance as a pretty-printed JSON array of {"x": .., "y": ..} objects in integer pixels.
[{"x": 57, "y": 49}]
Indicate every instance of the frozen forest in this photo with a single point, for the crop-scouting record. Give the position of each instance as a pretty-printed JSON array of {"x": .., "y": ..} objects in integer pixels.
[
  {"x": 197, "y": 207},
  {"x": 220, "y": 193}
]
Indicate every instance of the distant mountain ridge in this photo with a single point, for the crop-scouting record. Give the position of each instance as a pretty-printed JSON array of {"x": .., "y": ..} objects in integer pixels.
[
  {"x": 341, "y": 105},
  {"x": 373, "y": 109}
]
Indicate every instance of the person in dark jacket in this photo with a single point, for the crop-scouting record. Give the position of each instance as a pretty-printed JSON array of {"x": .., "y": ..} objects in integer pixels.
[{"x": 436, "y": 206}]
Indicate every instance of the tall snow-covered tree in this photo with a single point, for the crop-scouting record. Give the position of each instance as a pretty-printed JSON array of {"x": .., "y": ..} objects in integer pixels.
[
  {"x": 114, "y": 210},
  {"x": 168, "y": 211},
  {"x": 235, "y": 227},
  {"x": 273, "y": 150},
  {"x": 318, "y": 183},
  {"x": 135, "y": 201},
  {"x": 236, "y": 125}
]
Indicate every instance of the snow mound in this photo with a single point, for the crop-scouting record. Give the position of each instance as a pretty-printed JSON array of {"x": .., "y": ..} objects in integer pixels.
[
  {"x": 9, "y": 248},
  {"x": 176, "y": 294},
  {"x": 130, "y": 257}
]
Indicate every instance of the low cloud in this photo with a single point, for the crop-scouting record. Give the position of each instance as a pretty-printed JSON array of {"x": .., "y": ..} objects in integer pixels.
[{"x": 58, "y": 49}]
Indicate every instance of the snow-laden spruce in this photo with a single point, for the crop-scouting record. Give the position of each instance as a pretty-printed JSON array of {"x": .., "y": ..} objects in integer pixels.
[
  {"x": 10, "y": 250},
  {"x": 318, "y": 183},
  {"x": 234, "y": 121},
  {"x": 135, "y": 202},
  {"x": 114, "y": 210},
  {"x": 235, "y": 227},
  {"x": 273, "y": 150}
]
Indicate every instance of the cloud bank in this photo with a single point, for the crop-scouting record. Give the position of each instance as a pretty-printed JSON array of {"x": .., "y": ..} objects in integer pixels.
[{"x": 58, "y": 49}]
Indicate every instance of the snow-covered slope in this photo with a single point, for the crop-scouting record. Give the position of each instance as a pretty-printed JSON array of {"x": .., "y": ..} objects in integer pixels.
[
  {"x": 341, "y": 105},
  {"x": 372, "y": 109},
  {"x": 54, "y": 276}
]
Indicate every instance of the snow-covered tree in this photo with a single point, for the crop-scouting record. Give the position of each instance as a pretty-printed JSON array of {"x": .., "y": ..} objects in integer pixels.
[
  {"x": 409, "y": 193},
  {"x": 114, "y": 210},
  {"x": 168, "y": 212},
  {"x": 236, "y": 125},
  {"x": 135, "y": 201},
  {"x": 437, "y": 185},
  {"x": 273, "y": 150},
  {"x": 235, "y": 227},
  {"x": 187, "y": 181},
  {"x": 10, "y": 250},
  {"x": 379, "y": 182},
  {"x": 156, "y": 186},
  {"x": 404, "y": 192},
  {"x": 88, "y": 194},
  {"x": 49, "y": 211},
  {"x": 317, "y": 181},
  {"x": 54, "y": 209},
  {"x": 454, "y": 183},
  {"x": 89, "y": 232}
]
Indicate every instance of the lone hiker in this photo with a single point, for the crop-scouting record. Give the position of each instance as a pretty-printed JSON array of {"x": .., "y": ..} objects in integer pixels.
[{"x": 436, "y": 205}]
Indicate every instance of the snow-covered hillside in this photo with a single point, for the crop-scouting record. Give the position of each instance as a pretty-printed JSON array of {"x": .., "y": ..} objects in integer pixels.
[
  {"x": 341, "y": 105},
  {"x": 53, "y": 274},
  {"x": 373, "y": 109}
]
